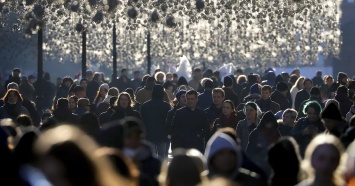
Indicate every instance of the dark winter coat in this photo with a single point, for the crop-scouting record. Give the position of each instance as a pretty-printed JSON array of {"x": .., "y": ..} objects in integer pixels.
[
  {"x": 12, "y": 111},
  {"x": 31, "y": 110},
  {"x": 80, "y": 111},
  {"x": 301, "y": 96},
  {"x": 47, "y": 94},
  {"x": 154, "y": 113},
  {"x": 121, "y": 113},
  {"x": 297, "y": 132},
  {"x": 105, "y": 116},
  {"x": 230, "y": 95},
  {"x": 244, "y": 128},
  {"x": 317, "y": 81},
  {"x": 189, "y": 129},
  {"x": 205, "y": 99},
  {"x": 251, "y": 97},
  {"x": 12, "y": 79},
  {"x": 123, "y": 83},
  {"x": 213, "y": 113},
  {"x": 169, "y": 119},
  {"x": 65, "y": 116},
  {"x": 92, "y": 89},
  {"x": 345, "y": 104},
  {"x": 284, "y": 103},
  {"x": 259, "y": 141},
  {"x": 62, "y": 92},
  {"x": 135, "y": 84},
  {"x": 266, "y": 105}
]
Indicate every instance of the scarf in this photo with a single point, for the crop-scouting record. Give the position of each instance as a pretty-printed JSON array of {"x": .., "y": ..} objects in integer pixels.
[{"x": 231, "y": 121}]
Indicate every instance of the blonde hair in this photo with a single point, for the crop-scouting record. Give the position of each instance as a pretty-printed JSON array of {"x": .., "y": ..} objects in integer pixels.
[
  {"x": 105, "y": 175},
  {"x": 298, "y": 81},
  {"x": 323, "y": 139}
]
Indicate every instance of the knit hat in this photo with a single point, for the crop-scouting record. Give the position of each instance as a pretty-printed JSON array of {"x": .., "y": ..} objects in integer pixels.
[
  {"x": 251, "y": 78},
  {"x": 105, "y": 86},
  {"x": 208, "y": 84},
  {"x": 254, "y": 89},
  {"x": 281, "y": 86},
  {"x": 341, "y": 75},
  {"x": 158, "y": 92},
  {"x": 180, "y": 93},
  {"x": 331, "y": 111},
  {"x": 182, "y": 81},
  {"x": 227, "y": 81},
  {"x": 342, "y": 90}
]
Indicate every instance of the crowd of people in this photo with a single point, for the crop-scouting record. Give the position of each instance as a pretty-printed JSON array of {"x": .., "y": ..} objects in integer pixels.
[{"x": 241, "y": 129}]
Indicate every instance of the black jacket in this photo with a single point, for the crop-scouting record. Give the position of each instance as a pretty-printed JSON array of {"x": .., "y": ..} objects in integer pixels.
[
  {"x": 230, "y": 95},
  {"x": 266, "y": 105},
  {"x": 284, "y": 103},
  {"x": 301, "y": 96},
  {"x": 65, "y": 116},
  {"x": 189, "y": 129},
  {"x": 154, "y": 113},
  {"x": 121, "y": 113}
]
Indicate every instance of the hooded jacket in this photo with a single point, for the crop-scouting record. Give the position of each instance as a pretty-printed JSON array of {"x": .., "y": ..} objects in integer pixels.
[
  {"x": 221, "y": 141},
  {"x": 218, "y": 142},
  {"x": 264, "y": 135}
]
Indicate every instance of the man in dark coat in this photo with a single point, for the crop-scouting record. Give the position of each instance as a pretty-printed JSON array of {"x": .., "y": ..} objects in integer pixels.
[
  {"x": 342, "y": 96},
  {"x": 154, "y": 113},
  {"x": 63, "y": 90},
  {"x": 318, "y": 80},
  {"x": 205, "y": 99},
  {"x": 342, "y": 79},
  {"x": 265, "y": 103},
  {"x": 123, "y": 81},
  {"x": 48, "y": 92},
  {"x": 280, "y": 96},
  {"x": 252, "y": 79},
  {"x": 214, "y": 111},
  {"x": 181, "y": 98},
  {"x": 15, "y": 77},
  {"x": 190, "y": 126},
  {"x": 303, "y": 94},
  {"x": 228, "y": 90},
  {"x": 62, "y": 114}
]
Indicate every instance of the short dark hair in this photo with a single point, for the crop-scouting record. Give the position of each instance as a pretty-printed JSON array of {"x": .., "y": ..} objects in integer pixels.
[
  {"x": 197, "y": 70},
  {"x": 62, "y": 103},
  {"x": 16, "y": 70},
  {"x": 266, "y": 87},
  {"x": 123, "y": 70},
  {"x": 192, "y": 92}
]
